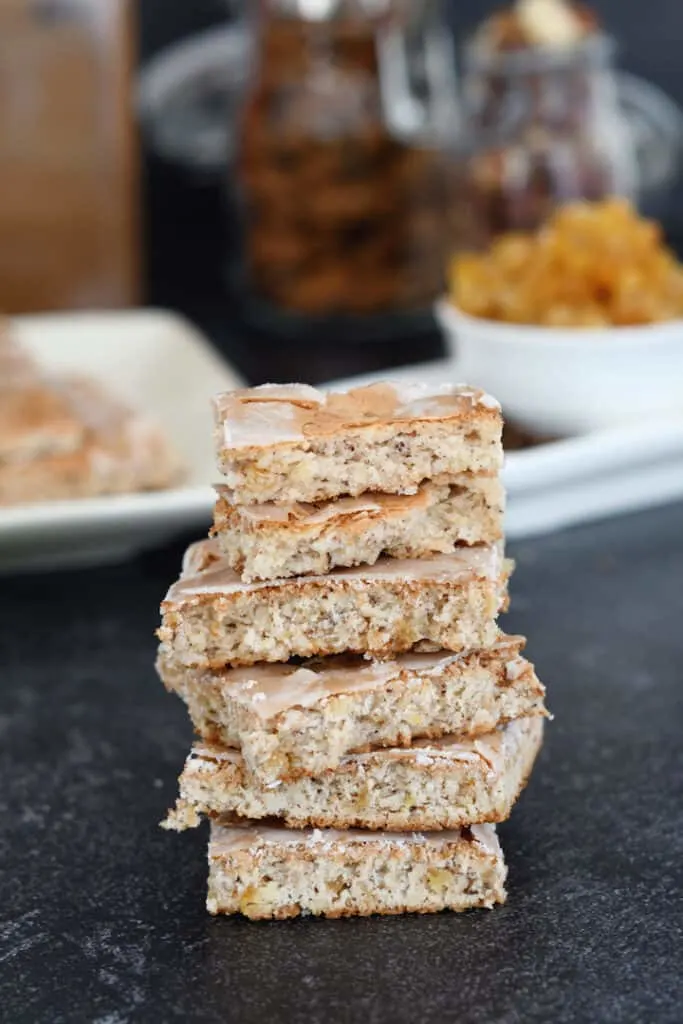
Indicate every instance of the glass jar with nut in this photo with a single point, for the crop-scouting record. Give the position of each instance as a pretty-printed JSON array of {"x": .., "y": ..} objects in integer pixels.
[
  {"x": 545, "y": 125},
  {"x": 342, "y": 188}
]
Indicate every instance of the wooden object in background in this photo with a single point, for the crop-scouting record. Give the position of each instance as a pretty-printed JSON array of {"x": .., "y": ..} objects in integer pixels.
[{"x": 69, "y": 230}]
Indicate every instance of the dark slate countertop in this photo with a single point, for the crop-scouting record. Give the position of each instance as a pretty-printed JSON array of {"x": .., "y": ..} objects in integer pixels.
[{"x": 101, "y": 913}]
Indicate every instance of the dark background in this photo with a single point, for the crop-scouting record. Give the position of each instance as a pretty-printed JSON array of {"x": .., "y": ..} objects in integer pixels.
[
  {"x": 102, "y": 916},
  {"x": 651, "y": 31},
  {"x": 188, "y": 234}
]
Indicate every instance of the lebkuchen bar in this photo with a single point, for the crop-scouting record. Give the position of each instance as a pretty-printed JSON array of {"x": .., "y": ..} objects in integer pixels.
[
  {"x": 69, "y": 438},
  {"x": 293, "y": 443},
  {"x": 432, "y": 785},
  {"x": 38, "y": 419},
  {"x": 210, "y": 618},
  {"x": 265, "y": 870},
  {"x": 291, "y": 720},
  {"x": 270, "y": 541}
]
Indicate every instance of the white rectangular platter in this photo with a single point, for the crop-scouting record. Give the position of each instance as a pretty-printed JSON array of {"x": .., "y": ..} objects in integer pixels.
[
  {"x": 158, "y": 363},
  {"x": 564, "y": 483}
]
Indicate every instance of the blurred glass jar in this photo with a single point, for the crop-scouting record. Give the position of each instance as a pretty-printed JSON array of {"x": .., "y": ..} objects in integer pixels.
[
  {"x": 543, "y": 127},
  {"x": 69, "y": 181},
  {"x": 342, "y": 182}
]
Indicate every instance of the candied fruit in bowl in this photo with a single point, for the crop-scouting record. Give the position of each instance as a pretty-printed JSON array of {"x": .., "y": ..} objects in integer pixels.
[{"x": 591, "y": 265}]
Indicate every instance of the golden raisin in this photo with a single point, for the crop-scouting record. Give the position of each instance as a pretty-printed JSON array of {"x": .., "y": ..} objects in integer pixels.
[{"x": 591, "y": 265}]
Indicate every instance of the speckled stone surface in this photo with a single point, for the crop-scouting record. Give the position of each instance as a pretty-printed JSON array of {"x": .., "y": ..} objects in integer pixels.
[{"x": 101, "y": 913}]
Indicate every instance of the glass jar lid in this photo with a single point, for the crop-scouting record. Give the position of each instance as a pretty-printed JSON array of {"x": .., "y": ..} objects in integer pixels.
[{"x": 327, "y": 10}]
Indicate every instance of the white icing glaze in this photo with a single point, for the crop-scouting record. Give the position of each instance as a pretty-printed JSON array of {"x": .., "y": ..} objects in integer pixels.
[
  {"x": 487, "y": 837},
  {"x": 270, "y": 689},
  {"x": 299, "y": 394},
  {"x": 254, "y": 836},
  {"x": 207, "y": 571},
  {"x": 276, "y": 414},
  {"x": 515, "y": 668},
  {"x": 310, "y": 514},
  {"x": 302, "y": 514},
  {"x": 422, "y": 753},
  {"x": 302, "y": 687}
]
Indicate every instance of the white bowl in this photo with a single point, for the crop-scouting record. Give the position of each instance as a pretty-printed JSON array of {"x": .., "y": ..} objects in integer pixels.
[{"x": 566, "y": 381}]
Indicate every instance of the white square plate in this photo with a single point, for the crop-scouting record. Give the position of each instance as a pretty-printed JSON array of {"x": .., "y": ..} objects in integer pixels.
[{"x": 158, "y": 363}]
